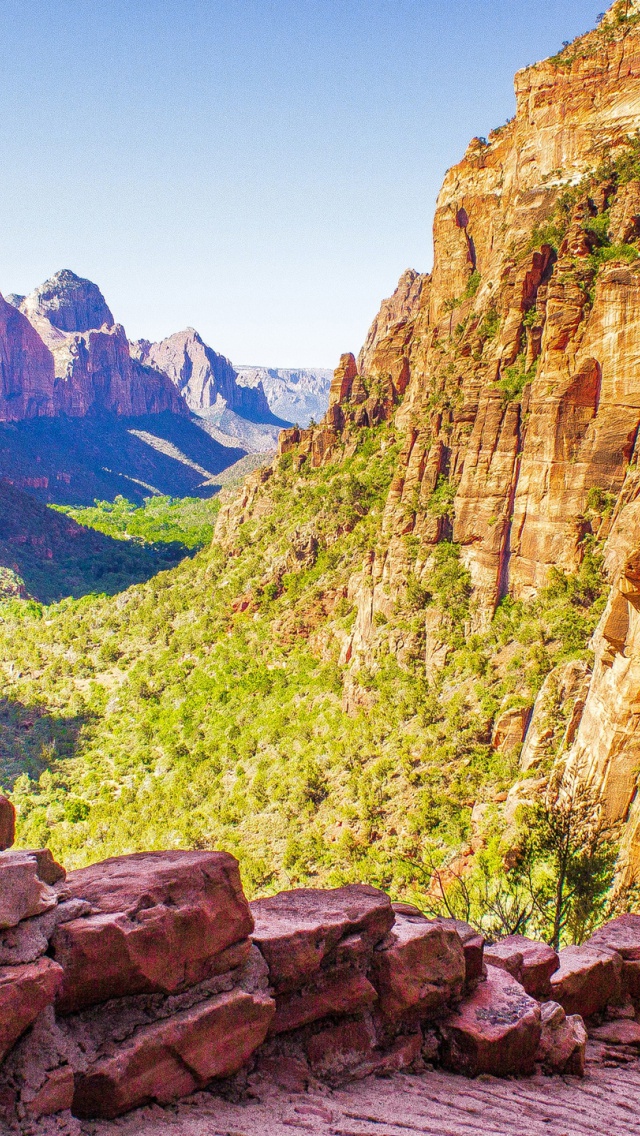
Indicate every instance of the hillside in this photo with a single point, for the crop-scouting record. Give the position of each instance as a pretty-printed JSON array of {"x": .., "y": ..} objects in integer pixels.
[
  {"x": 47, "y": 555},
  {"x": 390, "y": 642}
]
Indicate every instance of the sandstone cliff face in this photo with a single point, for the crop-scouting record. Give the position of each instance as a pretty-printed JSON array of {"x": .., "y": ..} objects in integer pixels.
[
  {"x": 68, "y": 302},
  {"x": 63, "y": 354},
  {"x": 511, "y": 377},
  {"x": 96, "y": 374},
  {"x": 26, "y": 369}
]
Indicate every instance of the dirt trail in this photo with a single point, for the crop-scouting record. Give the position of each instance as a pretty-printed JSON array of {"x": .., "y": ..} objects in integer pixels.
[{"x": 605, "y": 1103}]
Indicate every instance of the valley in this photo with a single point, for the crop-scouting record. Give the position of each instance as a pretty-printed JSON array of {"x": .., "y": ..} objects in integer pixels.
[
  {"x": 409, "y": 620},
  {"x": 320, "y": 690}
]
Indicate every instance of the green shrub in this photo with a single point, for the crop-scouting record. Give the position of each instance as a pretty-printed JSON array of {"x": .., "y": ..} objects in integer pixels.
[{"x": 514, "y": 379}]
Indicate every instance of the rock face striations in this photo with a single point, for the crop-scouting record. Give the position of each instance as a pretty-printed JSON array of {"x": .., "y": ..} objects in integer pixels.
[
  {"x": 26, "y": 369},
  {"x": 68, "y": 302},
  {"x": 66, "y": 356},
  {"x": 205, "y": 379},
  {"x": 510, "y": 380}
]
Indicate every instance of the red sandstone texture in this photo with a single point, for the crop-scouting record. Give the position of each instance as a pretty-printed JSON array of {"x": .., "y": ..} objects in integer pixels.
[
  {"x": 434, "y": 1103},
  {"x": 162, "y": 922},
  {"x": 531, "y": 963},
  {"x": 161, "y": 985},
  {"x": 299, "y": 931},
  {"x": 62, "y": 353},
  {"x": 24, "y": 992}
]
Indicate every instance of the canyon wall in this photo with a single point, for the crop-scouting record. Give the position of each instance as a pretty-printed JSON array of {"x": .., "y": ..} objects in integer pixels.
[
  {"x": 206, "y": 380},
  {"x": 63, "y": 354},
  {"x": 510, "y": 377}
]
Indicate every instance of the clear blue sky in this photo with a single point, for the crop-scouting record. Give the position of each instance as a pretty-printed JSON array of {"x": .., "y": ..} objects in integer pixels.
[{"x": 262, "y": 170}]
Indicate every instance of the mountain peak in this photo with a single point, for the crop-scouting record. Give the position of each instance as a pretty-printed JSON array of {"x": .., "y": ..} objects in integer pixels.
[{"x": 69, "y": 302}]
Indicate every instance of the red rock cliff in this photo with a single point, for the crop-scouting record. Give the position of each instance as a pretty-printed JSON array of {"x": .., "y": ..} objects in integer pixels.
[
  {"x": 512, "y": 376},
  {"x": 62, "y": 353}
]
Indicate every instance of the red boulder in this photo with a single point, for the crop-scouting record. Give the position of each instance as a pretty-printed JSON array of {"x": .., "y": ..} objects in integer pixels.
[
  {"x": 529, "y": 962},
  {"x": 24, "y": 890},
  {"x": 563, "y": 1042},
  {"x": 24, "y": 993},
  {"x": 172, "y": 1058},
  {"x": 418, "y": 969},
  {"x": 299, "y": 931},
  {"x": 496, "y": 1029},
  {"x": 343, "y": 991},
  {"x": 164, "y": 921},
  {"x": 473, "y": 947},
  {"x": 342, "y": 1051},
  {"x": 588, "y": 979},
  {"x": 623, "y": 935}
]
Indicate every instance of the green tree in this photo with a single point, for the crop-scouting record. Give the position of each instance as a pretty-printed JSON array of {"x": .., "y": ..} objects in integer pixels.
[{"x": 572, "y": 850}]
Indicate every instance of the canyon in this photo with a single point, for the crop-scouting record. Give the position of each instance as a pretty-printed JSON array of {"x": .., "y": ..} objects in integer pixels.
[
  {"x": 511, "y": 372},
  {"x": 410, "y": 653},
  {"x": 297, "y": 395}
]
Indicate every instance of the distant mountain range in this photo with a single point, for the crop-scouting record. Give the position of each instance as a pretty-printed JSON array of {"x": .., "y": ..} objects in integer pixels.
[
  {"x": 86, "y": 413},
  {"x": 297, "y": 395}
]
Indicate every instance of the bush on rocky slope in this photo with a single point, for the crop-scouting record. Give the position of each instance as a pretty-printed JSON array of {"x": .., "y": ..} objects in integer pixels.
[{"x": 211, "y": 699}]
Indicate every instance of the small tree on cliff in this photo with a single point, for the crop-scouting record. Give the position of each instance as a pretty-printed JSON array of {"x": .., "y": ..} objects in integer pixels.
[{"x": 569, "y": 855}]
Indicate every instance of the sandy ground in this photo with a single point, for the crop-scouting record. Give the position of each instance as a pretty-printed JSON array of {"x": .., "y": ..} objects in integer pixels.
[{"x": 605, "y": 1103}]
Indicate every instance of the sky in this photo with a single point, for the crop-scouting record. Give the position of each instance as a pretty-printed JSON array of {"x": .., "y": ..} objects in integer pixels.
[{"x": 261, "y": 170}]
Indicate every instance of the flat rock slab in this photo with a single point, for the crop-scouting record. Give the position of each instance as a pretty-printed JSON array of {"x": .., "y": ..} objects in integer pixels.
[
  {"x": 343, "y": 991},
  {"x": 588, "y": 979},
  {"x": 163, "y": 921},
  {"x": 171, "y": 1058},
  {"x": 24, "y": 992},
  {"x": 531, "y": 963},
  {"x": 618, "y": 1033},
  {"x": 418, "y": 969},
  {"x": 297, "y": 931},
  {"x": 431, "y": 1104},
  {"x": 495, "y": 1030}
]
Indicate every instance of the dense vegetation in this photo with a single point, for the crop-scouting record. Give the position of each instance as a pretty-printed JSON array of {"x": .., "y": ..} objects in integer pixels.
[
  {"x": 47, "y": 556},
  {"x": 212, "y": 706},
  {"x": 205, "y": 707},
  {"x": 184, "y": 521}
]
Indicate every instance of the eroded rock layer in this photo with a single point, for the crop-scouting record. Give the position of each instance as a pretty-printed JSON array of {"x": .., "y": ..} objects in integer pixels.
[{"x": 510, "y": 379}]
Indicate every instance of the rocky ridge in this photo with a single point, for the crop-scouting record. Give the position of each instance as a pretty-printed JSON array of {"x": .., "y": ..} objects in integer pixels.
[
  {"x": 147, "y": 977},
  {"x": 206, "y": 380},
  {"x": 83, "y": 358},
  {"x": 296, "y": 395}
]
